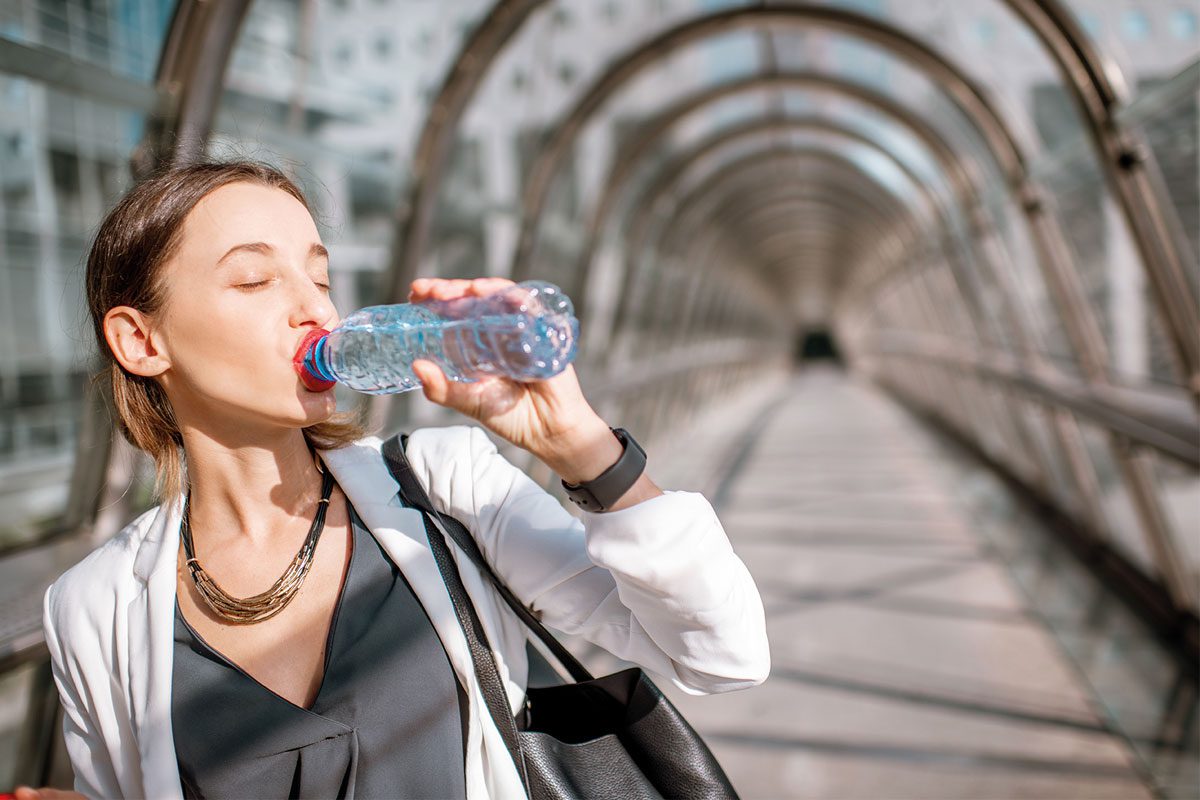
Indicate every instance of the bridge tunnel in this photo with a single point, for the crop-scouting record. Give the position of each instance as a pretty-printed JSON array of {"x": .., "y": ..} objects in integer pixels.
[{"x": 951, "y": 242}]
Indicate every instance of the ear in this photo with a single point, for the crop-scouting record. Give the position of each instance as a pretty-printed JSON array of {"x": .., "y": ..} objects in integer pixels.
[{"x": 128, "y": 334}]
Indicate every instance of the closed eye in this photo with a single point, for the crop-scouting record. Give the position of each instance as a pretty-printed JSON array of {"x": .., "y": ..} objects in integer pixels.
[{"x": 255, "y": 285}]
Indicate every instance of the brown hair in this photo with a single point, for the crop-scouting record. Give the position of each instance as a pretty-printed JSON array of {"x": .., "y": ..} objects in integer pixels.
[{"x": 124, "y": 268}]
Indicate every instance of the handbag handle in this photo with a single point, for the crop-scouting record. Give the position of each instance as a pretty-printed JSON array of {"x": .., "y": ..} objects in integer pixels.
[
  {"x": 414, "y": 495},
  {"x": 486, "y": 671}
]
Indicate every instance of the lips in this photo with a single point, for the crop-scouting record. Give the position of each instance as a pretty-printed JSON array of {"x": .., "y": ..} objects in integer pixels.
[{"x": 310, "y": 381}]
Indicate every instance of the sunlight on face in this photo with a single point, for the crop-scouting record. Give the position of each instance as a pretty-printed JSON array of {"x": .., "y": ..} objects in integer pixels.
[{"x": 249, "y": 280}]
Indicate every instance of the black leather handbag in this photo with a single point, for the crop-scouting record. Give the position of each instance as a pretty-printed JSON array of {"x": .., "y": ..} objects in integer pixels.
[{"x": 616, "y": 736}]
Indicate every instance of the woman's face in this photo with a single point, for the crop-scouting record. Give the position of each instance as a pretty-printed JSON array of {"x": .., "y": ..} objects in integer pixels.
[{"x": 249, "y": 280}]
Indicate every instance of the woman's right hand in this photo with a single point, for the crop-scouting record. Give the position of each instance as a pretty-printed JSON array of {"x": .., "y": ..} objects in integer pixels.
[{"x": 45, "y": 793}]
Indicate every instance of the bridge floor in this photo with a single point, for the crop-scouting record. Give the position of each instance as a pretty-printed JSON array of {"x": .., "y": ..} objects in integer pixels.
[{"x": 914, "y": 655}]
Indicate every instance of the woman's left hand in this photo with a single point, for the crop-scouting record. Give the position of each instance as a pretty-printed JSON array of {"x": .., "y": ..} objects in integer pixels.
[{"x": 549, "y": 418}]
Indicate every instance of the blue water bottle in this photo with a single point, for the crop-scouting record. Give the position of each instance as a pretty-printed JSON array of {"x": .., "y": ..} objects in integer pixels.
[{"x": 527, "y": 332}]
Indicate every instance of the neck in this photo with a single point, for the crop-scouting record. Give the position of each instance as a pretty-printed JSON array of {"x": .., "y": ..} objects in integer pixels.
[{"x": 250, "y": 491}]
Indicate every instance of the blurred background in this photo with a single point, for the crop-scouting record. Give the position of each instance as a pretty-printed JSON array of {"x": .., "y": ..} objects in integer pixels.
[{"x": 908, "y": 288}]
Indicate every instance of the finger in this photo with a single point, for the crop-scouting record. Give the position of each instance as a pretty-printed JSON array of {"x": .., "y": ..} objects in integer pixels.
[
  {"x": 434, "y": 383},
  {"x": 482, "y": 287},
  {"x": 450, "y": 289},
  {"x": 26, "y": 793},
  {"x": 418, "y": 290},
  {"x": 436, "y": 289}
]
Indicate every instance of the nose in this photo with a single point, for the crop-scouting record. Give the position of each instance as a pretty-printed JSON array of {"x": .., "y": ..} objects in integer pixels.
[{"x": 311, "y": 307}]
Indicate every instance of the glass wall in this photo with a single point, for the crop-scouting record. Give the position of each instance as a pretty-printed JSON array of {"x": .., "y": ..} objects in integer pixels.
[{"x": 64, "y": 159}]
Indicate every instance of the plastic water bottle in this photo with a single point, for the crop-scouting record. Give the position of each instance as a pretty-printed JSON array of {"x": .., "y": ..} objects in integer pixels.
[{"x": 526, "y": 332}]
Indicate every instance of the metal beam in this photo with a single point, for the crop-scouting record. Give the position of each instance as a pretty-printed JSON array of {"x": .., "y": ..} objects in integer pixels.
[
  {"x": 964, "y": 93},
  {"x": 51, "y": 68},
  {"x": 191, "y": 68},
  {"x": 1130, "y": 170}
]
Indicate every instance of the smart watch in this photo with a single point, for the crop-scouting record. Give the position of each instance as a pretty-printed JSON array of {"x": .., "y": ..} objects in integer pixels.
[{"x": 602, "y": 492}]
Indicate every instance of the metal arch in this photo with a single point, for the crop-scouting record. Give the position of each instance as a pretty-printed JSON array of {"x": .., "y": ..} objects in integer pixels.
[
  {"x": 414, "y": 218},
  {"x": 961, "y": 178},
  {"x": 743, "y": 169},
  {"x": 1130, "y": 169},
  {"x": 1096, "y": 80},
  {"x": 965, "y": 94},
  {"x": 831, "y": 196},
  {"x": 671, "y": 175},
  {"x": 831, "y": 213},
  {"x": 828, "y": 225},
  {"x": 1048, "y": 239},
  {"x": 967, "y": 288},
  {"x": 642, "y": 209},
  {"x": 630, "y": 156},
  {"x": 674, "y": 171},
  {"x": 191, "y": 68},
  {"x": 683, "y": 320},
  {"x": 969, "y": 98}
]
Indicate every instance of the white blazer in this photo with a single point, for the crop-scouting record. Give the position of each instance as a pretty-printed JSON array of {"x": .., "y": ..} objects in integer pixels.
[{"x": 656, "y": 584}]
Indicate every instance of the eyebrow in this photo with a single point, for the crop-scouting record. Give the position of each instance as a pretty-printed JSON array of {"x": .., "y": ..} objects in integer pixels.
[{"x": 262, "y": 248}]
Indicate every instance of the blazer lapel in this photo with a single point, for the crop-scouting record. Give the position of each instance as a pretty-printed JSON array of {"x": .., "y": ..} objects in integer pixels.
[
  {"x": 363, "y": 476},
  {"x": 150, "y": 637}
]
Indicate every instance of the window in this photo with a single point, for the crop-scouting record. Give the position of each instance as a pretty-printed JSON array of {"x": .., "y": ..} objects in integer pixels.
[
  {"x": 985, "y": 31},
  {"x": 1090, "y": 23},
  {"x": 1135, "y": 26},
  {"x": 1183, "y": 23}
]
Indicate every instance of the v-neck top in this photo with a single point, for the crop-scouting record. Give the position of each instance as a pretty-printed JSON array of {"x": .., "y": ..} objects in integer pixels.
[{"x": 389, "y": 719}]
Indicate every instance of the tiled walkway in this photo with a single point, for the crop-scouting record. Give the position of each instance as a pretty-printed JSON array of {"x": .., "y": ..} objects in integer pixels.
[{"x": 906, "y": 663}]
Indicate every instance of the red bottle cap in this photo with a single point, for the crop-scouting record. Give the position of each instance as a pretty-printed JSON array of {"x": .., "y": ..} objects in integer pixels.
[{"x": 310, "y": 381}]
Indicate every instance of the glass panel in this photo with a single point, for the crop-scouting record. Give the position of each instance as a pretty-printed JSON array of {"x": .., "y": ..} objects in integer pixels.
[
  {"x": 1124, "y": 524},
  {"x": 1179, "y": 490},
  {"x": 1166, "y": 113},
  {"x": 1146, "y": 39},
  {"x": 1110, "y": 268},
  {"x": 120, "y": 36},
  {"x": 63, "y": 162}
]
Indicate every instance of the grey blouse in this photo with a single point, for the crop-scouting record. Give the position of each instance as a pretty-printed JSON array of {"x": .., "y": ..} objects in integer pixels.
[{"x": 389, "y": 719}]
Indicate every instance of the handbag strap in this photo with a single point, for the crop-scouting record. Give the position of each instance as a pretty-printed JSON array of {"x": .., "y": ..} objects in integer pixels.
[
  {"x": 414, "y": 495},
  {"x": 486, "y": 671}
]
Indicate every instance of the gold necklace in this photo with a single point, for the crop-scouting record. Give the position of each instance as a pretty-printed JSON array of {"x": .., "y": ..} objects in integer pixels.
[{"x": 248, "y": 610}]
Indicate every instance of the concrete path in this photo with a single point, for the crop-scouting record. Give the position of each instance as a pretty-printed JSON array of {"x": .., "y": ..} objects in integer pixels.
[{"x": 905, "y": 664}]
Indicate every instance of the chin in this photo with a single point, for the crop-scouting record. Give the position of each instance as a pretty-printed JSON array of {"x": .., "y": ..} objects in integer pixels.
[{"x": 318, "y": 406}]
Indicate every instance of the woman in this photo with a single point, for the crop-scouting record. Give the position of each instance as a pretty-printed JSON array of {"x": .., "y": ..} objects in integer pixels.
[{"x": 200, "y": 652}]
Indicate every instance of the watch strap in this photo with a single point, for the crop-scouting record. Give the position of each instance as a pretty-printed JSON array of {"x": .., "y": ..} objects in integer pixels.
[{"x": 603, "y": 491}]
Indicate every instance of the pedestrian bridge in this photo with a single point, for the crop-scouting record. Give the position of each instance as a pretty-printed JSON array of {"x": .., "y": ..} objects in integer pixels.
[{"x": 908, "y": 289}]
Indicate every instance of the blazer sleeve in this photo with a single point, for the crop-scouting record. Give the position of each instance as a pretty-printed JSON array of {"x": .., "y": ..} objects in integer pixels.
[
  {"x": 89, "y": 753},
  {"x": 656, "y": 584}
]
